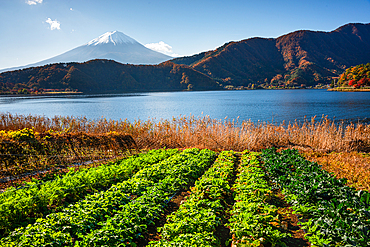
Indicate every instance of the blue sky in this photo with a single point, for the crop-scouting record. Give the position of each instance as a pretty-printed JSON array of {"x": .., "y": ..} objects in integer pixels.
[{"x": 34, "y": 30}]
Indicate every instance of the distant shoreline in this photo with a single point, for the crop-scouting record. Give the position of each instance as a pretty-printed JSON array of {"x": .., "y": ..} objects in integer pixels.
[
  {"x": 39, "y": 94},
  {"x": 80, "y": 93},
  {"x": 110, "y": 92},
  {"x": 345, "y": 89}
]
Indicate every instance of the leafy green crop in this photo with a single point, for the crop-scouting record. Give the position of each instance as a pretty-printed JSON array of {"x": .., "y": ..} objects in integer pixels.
[
  {"x": 337, "y": 214},
  {"x": 194, "y": 224},
  {"x": 254, "y": 222},
  {"x": 332, "y": 213},
  {"x": 127, "y": 225},
  {"x": 19, "y": 207},
  {"x": 99, "y": 211}
]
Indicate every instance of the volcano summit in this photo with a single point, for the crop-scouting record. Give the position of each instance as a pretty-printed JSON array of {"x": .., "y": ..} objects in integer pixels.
[{"x": 112, "y": 46}]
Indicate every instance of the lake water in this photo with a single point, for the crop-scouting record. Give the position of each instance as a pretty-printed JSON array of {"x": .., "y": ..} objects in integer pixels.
[{"x": 263, "y": 105}]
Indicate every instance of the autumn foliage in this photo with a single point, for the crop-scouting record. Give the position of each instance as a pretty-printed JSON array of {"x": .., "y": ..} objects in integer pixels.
[{"x": 356, "y": 76}]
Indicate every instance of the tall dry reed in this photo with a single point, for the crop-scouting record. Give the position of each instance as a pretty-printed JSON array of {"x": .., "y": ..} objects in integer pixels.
[{"x": 204, "y": 132}]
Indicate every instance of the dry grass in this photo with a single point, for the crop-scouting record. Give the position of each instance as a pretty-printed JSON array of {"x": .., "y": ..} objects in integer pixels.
[
  {"x": 183, "y": 132},
  {"x": 317, "y": 139},
  {"x": 26, "y": 152},
  {"x": 353, "y": 166}
]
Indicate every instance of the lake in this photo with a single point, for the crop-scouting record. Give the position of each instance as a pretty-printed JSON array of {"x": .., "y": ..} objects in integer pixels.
[{"x": 256, "y": 105}]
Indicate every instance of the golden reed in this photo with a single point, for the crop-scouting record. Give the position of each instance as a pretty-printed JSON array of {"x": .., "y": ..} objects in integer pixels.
[
  {"x": 341, "y": 148},
  {"x": 203, "y": 132}
]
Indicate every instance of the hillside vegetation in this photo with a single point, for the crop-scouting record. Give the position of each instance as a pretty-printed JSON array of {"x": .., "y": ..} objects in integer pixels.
[
  {"x": 356, "y": 77},
  {"x": 106, "y": 76},
  {"x": 298, "y": 59}
]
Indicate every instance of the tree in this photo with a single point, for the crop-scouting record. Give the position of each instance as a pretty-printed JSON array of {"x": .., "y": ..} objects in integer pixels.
[{"x": 356, "y": 76}]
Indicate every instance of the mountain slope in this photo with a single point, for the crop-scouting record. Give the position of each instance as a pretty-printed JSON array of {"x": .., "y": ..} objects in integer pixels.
[
  {"x": 112, "y": 46},
  {"x": 342, "y": 47},
  {"x": 245, "y": 61},
  {"x": 301, "y": 57},
  {"x": 107, "y": 76}
]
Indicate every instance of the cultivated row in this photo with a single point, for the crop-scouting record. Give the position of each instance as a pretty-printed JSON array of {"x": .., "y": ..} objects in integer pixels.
[
  {"x": 197, "y": 219},
  {"x": 98, "y": 211},
  {"x": 336, "y": 215},
  {"x": 231, "y": 192},
  {"x": 253, "y": 221},
  {"x": 19, "y": 207}
]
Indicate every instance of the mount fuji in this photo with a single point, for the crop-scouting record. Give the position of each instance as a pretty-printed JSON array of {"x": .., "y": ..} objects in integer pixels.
[{"x": 112, "y": 46}]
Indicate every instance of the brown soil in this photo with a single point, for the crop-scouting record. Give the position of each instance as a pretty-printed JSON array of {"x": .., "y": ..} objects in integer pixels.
[
  {"x": 222, "y": 232},
  {"x": 152, "y": 233},
  {"x": 289, "y": 221},
  {"x": 297, "y": 238}
]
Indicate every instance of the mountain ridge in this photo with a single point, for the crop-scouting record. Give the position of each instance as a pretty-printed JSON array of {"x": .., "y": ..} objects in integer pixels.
[{"x": 300, "y": 57}]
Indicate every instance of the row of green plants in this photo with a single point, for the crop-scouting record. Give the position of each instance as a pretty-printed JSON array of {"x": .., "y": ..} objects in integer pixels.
[
  {"x": 333, "y": 214},
  {"x": 253, "y": 221},
  {"x": 114, "y": 204},
  {"x": 20, "y": 207},
  {"x": 196, "y": 221},
  {"x": 129, "y": 224},
  {"x": 124, "y": 210}
]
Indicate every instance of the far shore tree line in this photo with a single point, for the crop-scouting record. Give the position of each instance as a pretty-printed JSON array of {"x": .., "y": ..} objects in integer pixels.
[
  {"x": 356, "y": 77},
  {"x": 36, "y": 81}
]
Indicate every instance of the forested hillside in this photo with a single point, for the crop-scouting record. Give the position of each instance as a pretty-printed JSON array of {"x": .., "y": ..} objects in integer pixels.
[
  {"x": 106, "y": 76},
  {"x": 301, "y": 58}
]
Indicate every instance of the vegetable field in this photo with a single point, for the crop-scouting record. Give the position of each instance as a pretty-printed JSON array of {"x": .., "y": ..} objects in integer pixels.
[{"x": 194, "y": 197}]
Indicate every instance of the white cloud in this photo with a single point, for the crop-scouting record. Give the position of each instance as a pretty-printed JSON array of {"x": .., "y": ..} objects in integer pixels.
[
  {"x": 33, "y": 2},
  {"x": 53, "y": 24},
  {"x": 163, "y": 48},
  {"x": 71, "y": 9}
]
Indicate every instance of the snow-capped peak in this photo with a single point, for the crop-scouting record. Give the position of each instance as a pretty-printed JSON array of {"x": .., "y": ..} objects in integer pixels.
[{"x": 114, "y": 37}]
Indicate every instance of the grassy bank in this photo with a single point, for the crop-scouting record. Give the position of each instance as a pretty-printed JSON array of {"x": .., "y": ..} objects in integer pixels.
[
  {"x": 204, "y": 132},
  {"x": 315, "y": 138}
]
